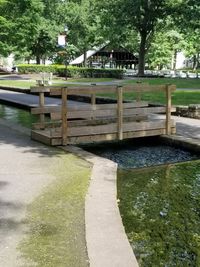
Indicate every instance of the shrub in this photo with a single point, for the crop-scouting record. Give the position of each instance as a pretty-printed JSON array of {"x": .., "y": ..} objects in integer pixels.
[{"x": 73, "y": 72}]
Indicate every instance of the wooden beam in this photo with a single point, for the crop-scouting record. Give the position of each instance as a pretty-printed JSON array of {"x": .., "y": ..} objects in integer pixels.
[
  {"x": 120, "y": 112},
  {"x": 46, "y": 110},
  {"x": 41, "y": 104},
  {"x": 168, "y": 110},
  {"x": 113, "y": 136},
  {"x": 113, "y": 128},
  {"x": 107, "y": 113},
  {"x": 89, "y": 89},
  {"x": 64, "y": 116},
  {"x": 45, "y": 89}
]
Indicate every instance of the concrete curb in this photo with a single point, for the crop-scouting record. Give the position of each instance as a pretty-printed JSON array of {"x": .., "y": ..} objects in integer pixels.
[
  {"x": 182, "y": 141},
  {"x": 107, "y": 243}
]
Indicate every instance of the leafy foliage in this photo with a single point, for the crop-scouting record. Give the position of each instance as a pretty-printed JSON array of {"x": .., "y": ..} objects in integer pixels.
[{"x": 74, "y": 72}]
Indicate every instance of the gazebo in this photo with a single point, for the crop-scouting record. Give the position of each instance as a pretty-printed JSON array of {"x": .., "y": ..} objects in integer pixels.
[{"x": 107, "y": 56}]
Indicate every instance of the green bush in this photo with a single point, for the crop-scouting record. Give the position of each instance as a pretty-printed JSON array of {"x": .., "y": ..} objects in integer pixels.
[
  {"x": 34, "y": 68},
  {"x": 73, "y": 72}
]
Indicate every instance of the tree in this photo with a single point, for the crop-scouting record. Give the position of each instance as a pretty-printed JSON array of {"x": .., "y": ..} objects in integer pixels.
[
  {"x": 83, "y": 24},
  {"x": 144, "y": 16},
  {"x": 5, "y": 25},
  {"x": 187, "y": 20}
]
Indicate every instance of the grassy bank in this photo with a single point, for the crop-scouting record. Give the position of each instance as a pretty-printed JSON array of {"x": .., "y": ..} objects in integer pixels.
[{"x": 55, "y": 220}]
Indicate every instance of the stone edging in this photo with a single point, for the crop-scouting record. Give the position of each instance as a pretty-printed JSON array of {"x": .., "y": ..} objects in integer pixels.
[{"x": 107, "y": 243}]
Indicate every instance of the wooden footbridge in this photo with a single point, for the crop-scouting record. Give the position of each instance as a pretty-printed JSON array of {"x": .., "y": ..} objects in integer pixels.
[{"x": 92, "y": 122}]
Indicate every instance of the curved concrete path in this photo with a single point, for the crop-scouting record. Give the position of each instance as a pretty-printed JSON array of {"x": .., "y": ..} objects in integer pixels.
[{"x": 23, "y": 175}]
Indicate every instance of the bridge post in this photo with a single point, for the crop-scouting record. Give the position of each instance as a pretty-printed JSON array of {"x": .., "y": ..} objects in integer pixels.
[
  {"x": 120, "y": 112},
  {"x": 41, "y": 104},
  {"x": 168, "y": 109},
  {"x": 64, "y": 116}
]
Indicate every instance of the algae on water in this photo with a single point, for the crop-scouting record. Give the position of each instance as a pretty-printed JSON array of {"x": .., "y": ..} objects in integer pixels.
[{"x": 160, "y": 208}]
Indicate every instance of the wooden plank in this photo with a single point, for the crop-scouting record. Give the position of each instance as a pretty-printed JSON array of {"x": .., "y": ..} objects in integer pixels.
[
  {"x": 108, "y": 113},
  {"x": 46, "y": 110},
  {"x": 85, "y": 122},
  {"x": 85, "y": 90},
  {"x": 144, "y": 88},
  {"x": 113, "y": 127},
  {"x": 111, "y": 137},
  {"x": 89, "y": 89},
  {"x": 51, "y": 124},
  {"x": 46, "y": 89},
  {"x": 39, "y": 136},
  {"x": 107, "y": 106},
  {"x": 93, "y": 103},
  {"x": 120, "y": 113},
  {"x": 168, "y": 110},
  {"x": 64, "y": 116}
]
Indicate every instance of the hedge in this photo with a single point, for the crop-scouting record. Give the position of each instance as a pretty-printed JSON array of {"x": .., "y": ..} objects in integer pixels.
[{"x": 73, "y": 72}]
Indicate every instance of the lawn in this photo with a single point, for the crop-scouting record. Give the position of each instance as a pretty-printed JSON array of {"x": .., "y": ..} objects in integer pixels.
[
  {"x": 27, "y": 83},
  {"x": 180, "y": 97},
  {"x": 55, "y": 220},
  {"x": 180, "y": 83}
]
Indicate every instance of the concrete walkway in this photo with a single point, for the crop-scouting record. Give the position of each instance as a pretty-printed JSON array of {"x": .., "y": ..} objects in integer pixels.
[
  {"x": 188, "y": 127},
  {"x": 23, "y": 175},
  {"x": 29, "y": 101}
]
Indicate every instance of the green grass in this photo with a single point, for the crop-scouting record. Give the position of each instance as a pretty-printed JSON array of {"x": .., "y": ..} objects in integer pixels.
[
  {"x": 55, "y": 220},
  {"x": 179, "y": 82},
  {"x": 14, "y": 83},
  {"x": 92, "y": 80},
  {"x": 179, "y": 97}
]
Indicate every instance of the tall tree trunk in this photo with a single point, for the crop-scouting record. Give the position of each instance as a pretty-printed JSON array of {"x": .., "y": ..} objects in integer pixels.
[
  {"x": 174, "y": 61},
  {"x": 38, "y": 60},
  {"x": 85, "y": 58},
  {"x": 142, "y": 53},
  {"x": 195, "y": 62}
]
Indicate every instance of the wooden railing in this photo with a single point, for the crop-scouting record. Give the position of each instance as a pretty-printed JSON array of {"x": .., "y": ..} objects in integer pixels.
[{"x": 102, "y": 121}]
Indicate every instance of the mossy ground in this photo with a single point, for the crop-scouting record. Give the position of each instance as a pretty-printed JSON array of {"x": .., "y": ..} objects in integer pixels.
[
  {"x": 161, "y": 215},
  {"x": 55, "y": 220}
]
